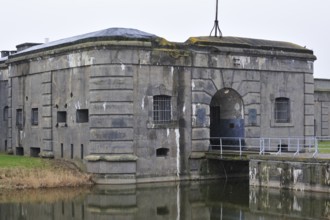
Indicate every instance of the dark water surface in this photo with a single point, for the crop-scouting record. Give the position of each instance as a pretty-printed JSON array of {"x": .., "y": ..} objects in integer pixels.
[{"x": 179, "y": 201}]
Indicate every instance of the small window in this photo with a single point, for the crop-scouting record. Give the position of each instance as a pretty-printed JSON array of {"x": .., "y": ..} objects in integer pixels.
[
  {"x": 34, "y": 151},
  {"x": 162, "y": 152},
  {"x": 34, "y": 116},
  {"x": 61, "y": 117},
  {"x": 20, "y": 151},
  {"x": 5, "y": 113},
  {"x": 19, "y": 117},
  {"x": 282, "y": 110},
  {"x": 162, "y": 109},
  {"x": 82, "y": 116}
]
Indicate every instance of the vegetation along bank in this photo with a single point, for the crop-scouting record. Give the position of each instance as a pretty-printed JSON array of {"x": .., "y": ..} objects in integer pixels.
[{"x": 17, "y": 172}]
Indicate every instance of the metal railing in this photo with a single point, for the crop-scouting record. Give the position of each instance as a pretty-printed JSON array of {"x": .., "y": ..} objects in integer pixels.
[
  {"x": 235, "y": 145},
  {"x": 309, "y": 146}
]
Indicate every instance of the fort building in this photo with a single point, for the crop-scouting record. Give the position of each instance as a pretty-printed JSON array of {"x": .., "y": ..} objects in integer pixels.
[{"x": 137, "y": 108}]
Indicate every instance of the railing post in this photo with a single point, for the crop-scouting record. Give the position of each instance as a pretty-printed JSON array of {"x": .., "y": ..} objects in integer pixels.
[
  {"x": 221, "y": 146},
  {"x": 240, "y": 146},
  {"x": 297, "y": 152},
  {"x": 289, "y": 144},
  {"x": 262, "y": 146},
  {"x": 316, "y": 147}
]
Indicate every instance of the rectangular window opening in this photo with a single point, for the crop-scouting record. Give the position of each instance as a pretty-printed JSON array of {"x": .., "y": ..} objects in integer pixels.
[
  {"x": 62, "y": 150},
  {"x": 71, "y": 151},
  {"x": 82, "y": 151},
  {"x": 20, "y": 151},
  {"x": 61, "y": 117},
  {"x": 162, "y": 152},
  {"x": 34, "y": 151},
  {"x": 34, "y": 116},
  {"x": 162, "y": 109},
  {"x": 19, "y": 117},
  {"x": 282, "y": 110},
  {"x": 5, "y": 113},
  {"x": 82, "y": 116}
]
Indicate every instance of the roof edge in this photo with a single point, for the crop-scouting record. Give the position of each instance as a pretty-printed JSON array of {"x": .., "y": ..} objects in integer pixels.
[{"x": 238, "y": 42}]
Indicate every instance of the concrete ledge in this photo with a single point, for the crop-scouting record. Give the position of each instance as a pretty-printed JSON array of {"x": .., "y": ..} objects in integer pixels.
[
  {"x": 303, "y": 157},
  {"x": 301, "y": 174},
  {"x": 112, "y": 158},
  {"x": 114, "y": 179},
  {"x": 112, "y": 210},
  {"x": 112, "y": 165}
]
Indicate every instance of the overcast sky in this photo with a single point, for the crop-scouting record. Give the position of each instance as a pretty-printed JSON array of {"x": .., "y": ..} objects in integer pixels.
[{"x": 304, "y": 22}]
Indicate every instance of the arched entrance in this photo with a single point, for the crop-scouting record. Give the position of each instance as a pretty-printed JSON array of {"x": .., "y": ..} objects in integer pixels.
[{"x": 226, "y": 117}]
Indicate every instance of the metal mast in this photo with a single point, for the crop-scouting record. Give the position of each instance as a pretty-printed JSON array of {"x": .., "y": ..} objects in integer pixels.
[{"x": 216, "y": 27}]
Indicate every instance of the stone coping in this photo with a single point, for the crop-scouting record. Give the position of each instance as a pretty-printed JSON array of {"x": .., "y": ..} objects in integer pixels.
[
  {"x": 112, "y": 158},
  {"x": 304, "y": 157}
]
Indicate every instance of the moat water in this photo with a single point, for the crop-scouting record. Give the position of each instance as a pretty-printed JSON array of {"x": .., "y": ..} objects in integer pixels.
[{"x": 179, "y": 201}]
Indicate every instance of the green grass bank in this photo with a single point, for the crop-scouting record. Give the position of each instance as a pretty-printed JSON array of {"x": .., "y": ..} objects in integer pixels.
[{"x": 21, "y": 172}]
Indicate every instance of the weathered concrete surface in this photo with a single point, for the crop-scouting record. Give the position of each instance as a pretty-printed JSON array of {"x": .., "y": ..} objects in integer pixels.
[
  {"x": 112, "y": 81},
  {"x": 322, "y": 107},
  {"x": 5, "y": 117},
  {"x": 302, "y": 174}
]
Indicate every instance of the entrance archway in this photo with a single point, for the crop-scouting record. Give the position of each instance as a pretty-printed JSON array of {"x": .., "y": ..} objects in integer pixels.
[{"x": 226, "y": 117}]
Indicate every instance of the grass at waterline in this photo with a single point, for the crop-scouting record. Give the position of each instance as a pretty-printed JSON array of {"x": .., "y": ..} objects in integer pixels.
[
  {"x": 19, "y": 172},
  {"x": 324, "y": 147}
]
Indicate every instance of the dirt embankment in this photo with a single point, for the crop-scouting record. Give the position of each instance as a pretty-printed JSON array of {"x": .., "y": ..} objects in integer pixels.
[{"x": 58, "y": 173}]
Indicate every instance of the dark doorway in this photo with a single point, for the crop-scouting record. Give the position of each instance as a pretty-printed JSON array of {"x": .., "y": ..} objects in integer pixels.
[{"x": 226, "y": 118}]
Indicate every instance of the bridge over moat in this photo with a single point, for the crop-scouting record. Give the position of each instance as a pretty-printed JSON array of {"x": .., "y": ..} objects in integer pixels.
[
  {"x": 242, "y": 148},
  {"x": 290, "y": 163}
]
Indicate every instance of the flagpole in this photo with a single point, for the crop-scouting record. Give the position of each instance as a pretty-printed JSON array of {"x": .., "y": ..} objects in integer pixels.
[{"x": 216, "y": 27}]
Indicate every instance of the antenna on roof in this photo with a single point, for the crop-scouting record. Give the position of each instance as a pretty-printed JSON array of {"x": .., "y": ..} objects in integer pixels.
[{"x": 216, "y": 27}]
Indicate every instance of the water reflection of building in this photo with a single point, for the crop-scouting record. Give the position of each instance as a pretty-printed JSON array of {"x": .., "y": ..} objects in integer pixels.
[
  {"x": 137, "y": 108},
  {"x": 181, "y": 201}
]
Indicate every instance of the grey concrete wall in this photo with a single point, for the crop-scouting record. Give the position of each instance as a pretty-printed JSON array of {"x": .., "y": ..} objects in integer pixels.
[
  {"x": 258, "y": 80},
  {"x": 288, "y": 85},
  {"x": 17, "y": 100},
  {"x": 4, "y": 107},
  {"x": 3, "y": 117},
  {"x": 117, "y": 83},
  {"x": 290, "y": 173},
  {"x": 70, "y": 93},
  {"x": 322, "y": 107},
  {"x": 30, "y": 92},
  {"x": 175, "y": 136}
]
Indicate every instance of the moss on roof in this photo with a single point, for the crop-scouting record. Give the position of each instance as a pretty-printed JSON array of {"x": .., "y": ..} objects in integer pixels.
[
  {"x": 247, "y": 43},
  {"x": 126, "y": 35}
]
